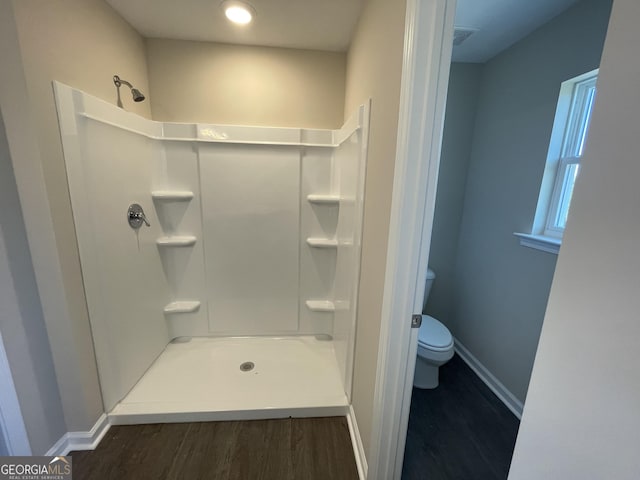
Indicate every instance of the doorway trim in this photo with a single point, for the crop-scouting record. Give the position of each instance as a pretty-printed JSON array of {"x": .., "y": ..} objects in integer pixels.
[{"x": 428, "y": 44}]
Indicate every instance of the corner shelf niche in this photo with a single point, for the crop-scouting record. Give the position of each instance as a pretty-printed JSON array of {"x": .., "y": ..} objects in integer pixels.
[
  {"x": 316, "y": 242},
  {"x": 182, "y": 306},
  {"x": 165, "y": 201},
  {"x": 319, "y": 199},
  {"x": 176, "y": 241},
  {"x": 320, "y": 305},
  {"x": 172, "y": 195}
]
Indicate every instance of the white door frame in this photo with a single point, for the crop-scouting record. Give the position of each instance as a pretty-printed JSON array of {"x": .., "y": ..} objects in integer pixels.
[{"x": 425, "y": 77}]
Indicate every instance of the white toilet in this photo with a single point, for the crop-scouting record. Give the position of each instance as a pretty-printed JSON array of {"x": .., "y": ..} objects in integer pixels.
[{"x": 435, "y": 345}]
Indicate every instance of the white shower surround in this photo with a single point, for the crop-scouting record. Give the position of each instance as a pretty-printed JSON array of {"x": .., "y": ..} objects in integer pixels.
[{"x": 147, "y": 288}]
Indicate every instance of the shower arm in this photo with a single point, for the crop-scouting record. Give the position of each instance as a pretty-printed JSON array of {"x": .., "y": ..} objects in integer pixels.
[
  {"x": 118, "y": 82},
  {"x": 138, "y": 96}
]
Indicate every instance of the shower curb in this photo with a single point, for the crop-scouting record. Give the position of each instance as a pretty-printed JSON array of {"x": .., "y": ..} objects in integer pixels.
[{"x": 204, "y": 416}]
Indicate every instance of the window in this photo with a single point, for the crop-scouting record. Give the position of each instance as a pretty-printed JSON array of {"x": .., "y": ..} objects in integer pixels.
[
  {"x": 575, "y": 129},
  {"x": 568, "y": 138}
]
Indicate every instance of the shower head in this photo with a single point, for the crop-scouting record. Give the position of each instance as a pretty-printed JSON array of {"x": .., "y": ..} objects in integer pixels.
[{"x": 135, "y": 93}]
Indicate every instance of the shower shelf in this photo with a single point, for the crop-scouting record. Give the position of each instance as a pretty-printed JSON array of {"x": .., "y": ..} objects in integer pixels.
[
  {"x": 172, "y": 195},
  {"x": 323, "y": 199},
  {"x": 182, "y": 306},
  {"x": 320, "y": 305},
  {"x": 322, "y": 242},
  {"x": 176, "y": 241}
]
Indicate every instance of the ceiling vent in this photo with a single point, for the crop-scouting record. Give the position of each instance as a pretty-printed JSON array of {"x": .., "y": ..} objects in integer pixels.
[{"x": 460, "y": 34}]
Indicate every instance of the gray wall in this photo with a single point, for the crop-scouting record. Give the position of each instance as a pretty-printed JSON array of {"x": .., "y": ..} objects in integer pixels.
[
  {"x": 581, "y": 420},
  {"x": 81, "y": 43},
  {"x": 500, "y": 289},
  {"x": 462, "y": 99},
  {"x": 21, "y": 321}
]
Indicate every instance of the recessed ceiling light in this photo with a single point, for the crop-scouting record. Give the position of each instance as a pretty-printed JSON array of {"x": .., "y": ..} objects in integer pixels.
[{"x": 238, "y": 12}]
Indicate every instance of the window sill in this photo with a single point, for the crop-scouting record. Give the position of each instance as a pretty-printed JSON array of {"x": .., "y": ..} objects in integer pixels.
[{"x": 540, "y": 242}]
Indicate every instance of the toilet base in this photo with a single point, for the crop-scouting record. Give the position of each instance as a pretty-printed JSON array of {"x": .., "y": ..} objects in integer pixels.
[
  {"x": 426, "y": 375},
  {"x": 428, "y": 365}
]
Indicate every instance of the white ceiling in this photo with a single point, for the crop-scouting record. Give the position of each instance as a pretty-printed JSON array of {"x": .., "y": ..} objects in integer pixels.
[
  {"x": 328, "y": 24},
  {"x": 306, "y": 24},
  {"x": 500, "y": 24}
]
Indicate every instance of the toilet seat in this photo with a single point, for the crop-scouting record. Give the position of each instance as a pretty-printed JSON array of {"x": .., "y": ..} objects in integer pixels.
[{"x": 433, "y": 335}]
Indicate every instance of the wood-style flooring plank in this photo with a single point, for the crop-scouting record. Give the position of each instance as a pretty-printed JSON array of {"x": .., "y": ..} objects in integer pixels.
[
  {"x": 206, "y": 451},
  {"x": 458, "y": 431},
  {"x": 322, "y": 446},
  {"x": 262, "y": 450},
  {"x": 318, "y": 448},
  {"x": 132, "y": 451}
]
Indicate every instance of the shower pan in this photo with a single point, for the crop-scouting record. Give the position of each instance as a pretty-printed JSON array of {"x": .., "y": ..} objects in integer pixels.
[{"x": 236, "y": 297}]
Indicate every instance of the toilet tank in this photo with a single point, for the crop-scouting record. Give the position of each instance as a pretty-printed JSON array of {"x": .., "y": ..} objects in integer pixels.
[{"x": 431, "y": 276}]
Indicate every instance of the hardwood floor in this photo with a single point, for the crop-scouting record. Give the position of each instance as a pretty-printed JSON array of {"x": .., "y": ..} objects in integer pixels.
[
  {"x": 459, "y": 431},
  {"x": 298, "y": 448}
]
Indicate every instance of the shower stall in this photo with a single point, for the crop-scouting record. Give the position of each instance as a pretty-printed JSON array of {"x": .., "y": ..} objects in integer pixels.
[{"x": 238, "y": 299}]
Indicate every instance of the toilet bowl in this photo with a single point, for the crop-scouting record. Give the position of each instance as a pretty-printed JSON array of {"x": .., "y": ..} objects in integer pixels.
[{"x": 435, "y": 346}]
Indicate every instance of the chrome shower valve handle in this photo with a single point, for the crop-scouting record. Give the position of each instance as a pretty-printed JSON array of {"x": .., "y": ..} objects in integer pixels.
[{"x": 136, "y": 216}]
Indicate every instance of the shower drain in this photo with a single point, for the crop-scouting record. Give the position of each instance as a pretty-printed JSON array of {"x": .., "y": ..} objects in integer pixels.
[{"x": 247, "y": 366}]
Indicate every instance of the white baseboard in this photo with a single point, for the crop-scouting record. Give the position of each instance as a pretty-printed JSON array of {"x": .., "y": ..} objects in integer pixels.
[
  {"x": 71, "y": 441},
  {"x": 356, "y": 441},
  {"x": 508, "y": 398}
]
